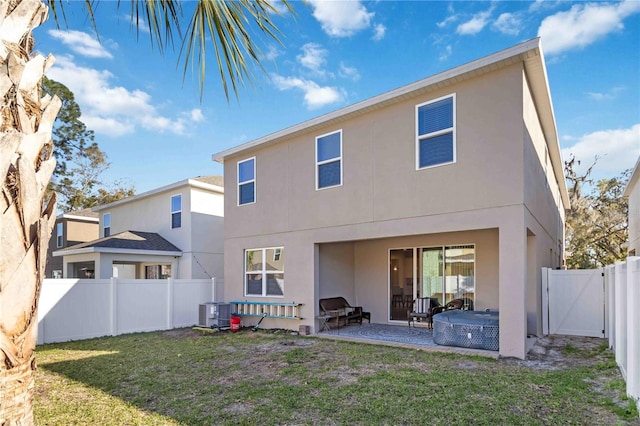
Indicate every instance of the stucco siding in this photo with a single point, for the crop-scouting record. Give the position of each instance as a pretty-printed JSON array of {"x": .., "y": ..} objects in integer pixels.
[
  {"x": 634, "y": 217},
  {"x": 372, "y": 290},
  {"x": 371, "y": 242},
  {"x": 336, "y": 271},
  {"x": 380, "y": 181},
  {"x": 153, "y": 214},
  {"x": 79, "y": 232}
]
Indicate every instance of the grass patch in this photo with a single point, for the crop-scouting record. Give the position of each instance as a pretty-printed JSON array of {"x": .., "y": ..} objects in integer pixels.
[{"x": 183, "y": 377}]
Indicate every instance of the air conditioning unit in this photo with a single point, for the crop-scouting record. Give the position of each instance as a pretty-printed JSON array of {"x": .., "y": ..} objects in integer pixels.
[{"x": 214, "y": 315}]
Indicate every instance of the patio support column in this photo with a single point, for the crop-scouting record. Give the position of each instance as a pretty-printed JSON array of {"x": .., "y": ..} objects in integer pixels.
[
  {"x": 316, "y": 288},
  {"x": 512, "y": 286}
]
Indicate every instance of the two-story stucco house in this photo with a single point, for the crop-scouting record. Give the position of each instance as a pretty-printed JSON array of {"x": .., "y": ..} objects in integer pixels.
[
  {"x": 632, "y": 191},
  {"x": 71, "y": 228},
  {"x": 449, "y": 187},
  {"x": 173, "y": 231}
]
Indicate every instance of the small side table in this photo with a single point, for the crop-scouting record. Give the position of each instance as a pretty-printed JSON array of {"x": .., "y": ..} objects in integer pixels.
[{"x": 324, "y": 324}]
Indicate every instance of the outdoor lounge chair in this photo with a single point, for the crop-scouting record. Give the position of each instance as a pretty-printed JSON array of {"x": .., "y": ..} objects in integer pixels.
[
  {"x": 463, "y": 303},
  {"x": 423, "y": 308}
]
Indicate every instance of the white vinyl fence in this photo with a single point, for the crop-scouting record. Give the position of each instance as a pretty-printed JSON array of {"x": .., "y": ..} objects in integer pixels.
[
  {"x": 623, "y": 302},
  {"x": 75, "y": 309}
]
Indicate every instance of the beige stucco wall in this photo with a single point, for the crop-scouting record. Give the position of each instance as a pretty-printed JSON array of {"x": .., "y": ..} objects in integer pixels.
[
  {"x": 74, "y": 232},
  {"x": 544, "y": 210},
  {"x": 380, "y": 181},
  {"x": 371, "y": 278},
  {"x": 494, "y": 196},
  {"x": 205, "y": 258},
  {"x": 152, "y": 214},
  {"x": 80, "y": 232},
  {"x": 633, "y": 192}
]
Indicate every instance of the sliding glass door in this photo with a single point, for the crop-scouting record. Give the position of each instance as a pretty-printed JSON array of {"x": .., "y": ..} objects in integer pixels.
[
  {"x": 445, "y": 272},
  {"x": 431, "y": 271}
]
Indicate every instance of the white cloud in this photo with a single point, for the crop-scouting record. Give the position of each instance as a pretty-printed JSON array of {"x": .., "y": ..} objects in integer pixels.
[
  {"x": 349, "y": 72},
  {"x": 341, "y": 18},
  {"x": 507, "y": 23},
  {"x": 113, "y": 110},
  {"x": 81, "y": 43},
  {"x": 107, "y": 126},
  {"x": 379, "y": 31},
  {"x": 315, "y": 96},
  {"x": 141, "y": 24},
  {"x": 583, "y": 24},
  {"x": 476, "y": 23},
  {"x": 272, "y": 53},
  {"x": 446, "y": 53},
  {"x": 449, "y": 19},
  {"x": 196, "y": 115},
  {"x": 313, "y": 57},
  {"x": 279, "y": 7},
  {"x": 611, "y": 94},
  {"x": 616, "y": 149}
]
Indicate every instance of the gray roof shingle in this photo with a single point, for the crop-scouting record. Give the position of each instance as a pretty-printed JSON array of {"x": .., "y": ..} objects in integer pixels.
[
  {"x": 129, "y": 240},
  {"x": 212, "y": 180}
]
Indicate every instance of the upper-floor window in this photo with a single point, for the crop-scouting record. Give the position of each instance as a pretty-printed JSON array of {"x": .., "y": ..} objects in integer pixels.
[
  {"x": 176, "y": 211},
  {"x": 59, "y": 234},
  {"x": 106, "y": 224},
  {"x": 247, "y": 181},
  {"x": 329, "y": 160},
  {"x": 436, "y": 135}
]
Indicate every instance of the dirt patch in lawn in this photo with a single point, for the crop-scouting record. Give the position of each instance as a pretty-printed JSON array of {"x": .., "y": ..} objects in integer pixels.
[{"x": 562, "y": 352}]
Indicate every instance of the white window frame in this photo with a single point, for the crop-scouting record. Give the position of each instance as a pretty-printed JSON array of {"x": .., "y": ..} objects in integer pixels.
[
  {"x": 420, "y": 137},
  {"x": 104, "y": 227},
  {"x": 59, "y": 234},
  {"x": 263, "y": 271},
  {"x": 239, "y": 184},
  {"x": 331, "y": 160},
  {"x": 176, "y": 211}
]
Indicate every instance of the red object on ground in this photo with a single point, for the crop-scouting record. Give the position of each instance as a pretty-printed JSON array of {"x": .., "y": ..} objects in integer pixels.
[{"x": 235, "y": 323}]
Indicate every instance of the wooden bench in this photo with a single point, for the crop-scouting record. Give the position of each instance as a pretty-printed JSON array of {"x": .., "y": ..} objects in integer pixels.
[{"x": 340, "y": 312}]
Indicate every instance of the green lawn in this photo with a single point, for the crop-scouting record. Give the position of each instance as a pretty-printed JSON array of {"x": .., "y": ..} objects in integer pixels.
[{"x": 188, "y": 377}]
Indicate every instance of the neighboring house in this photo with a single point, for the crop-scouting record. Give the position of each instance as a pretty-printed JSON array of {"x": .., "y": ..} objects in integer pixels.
[
  {"x": 71, "y": 228},
  {"x": 633, "y": 192},
  {"x": 174, "y": 231},
  {"x": 452, "y": 186}
]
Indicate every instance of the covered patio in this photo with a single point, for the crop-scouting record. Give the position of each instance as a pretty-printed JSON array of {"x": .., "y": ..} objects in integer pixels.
[{"x": 399, "y": 335}]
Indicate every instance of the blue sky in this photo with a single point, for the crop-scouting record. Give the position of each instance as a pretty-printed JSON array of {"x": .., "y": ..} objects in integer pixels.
[{"x": 150, "y": 120}]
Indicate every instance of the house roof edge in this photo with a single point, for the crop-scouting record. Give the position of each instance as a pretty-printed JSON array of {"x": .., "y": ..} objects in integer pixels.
[
  {"x": 453, "y": 73},
  {"x": 187, "y": 182}
]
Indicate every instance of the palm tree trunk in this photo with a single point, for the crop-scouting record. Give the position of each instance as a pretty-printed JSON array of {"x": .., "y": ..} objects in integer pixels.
[{"x": 25, "y": 226}]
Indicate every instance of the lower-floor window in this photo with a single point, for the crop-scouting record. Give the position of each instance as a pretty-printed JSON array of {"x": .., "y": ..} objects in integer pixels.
[
  {"x": 154, "y": 272},
  {"x": 264, "y": 271}
]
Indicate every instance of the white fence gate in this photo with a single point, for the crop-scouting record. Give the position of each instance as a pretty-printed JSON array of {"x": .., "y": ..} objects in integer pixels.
[{"x": 574, "y": 302}]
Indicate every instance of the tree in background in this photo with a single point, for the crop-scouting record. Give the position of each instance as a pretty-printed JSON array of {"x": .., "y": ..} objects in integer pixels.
[
  {"x": 82, "y": 188},
  {"x": 27, "y": 118},
  {"x": 597, "y": 222},
  {"x": 71, "y": 138},
  {"x": 79, "y": 160}
]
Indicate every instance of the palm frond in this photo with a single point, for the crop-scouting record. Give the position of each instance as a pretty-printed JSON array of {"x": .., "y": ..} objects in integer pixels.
[
  {"x": 226, "y": 25},
  {"x": 158, "y": 16}
]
